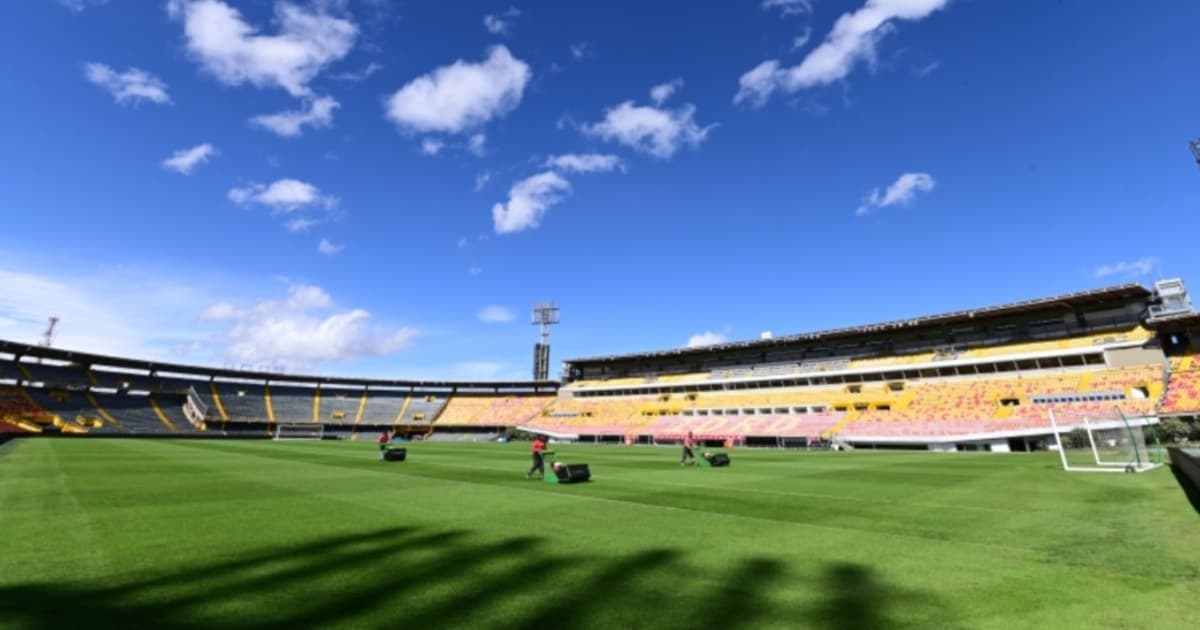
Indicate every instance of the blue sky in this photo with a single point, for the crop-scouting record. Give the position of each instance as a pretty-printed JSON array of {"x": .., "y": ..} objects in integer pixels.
[{"x": 384, "y": 188}]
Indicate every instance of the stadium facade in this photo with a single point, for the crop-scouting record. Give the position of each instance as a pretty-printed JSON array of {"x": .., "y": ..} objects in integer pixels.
[{"x": 981, "y": 379}]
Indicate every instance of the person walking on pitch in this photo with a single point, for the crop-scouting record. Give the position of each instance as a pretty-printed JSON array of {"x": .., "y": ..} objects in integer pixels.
[
  {"x": 383, "y": 440},
  {"x": 539, "y": 445},
  {"x": 688, "y": 455}
]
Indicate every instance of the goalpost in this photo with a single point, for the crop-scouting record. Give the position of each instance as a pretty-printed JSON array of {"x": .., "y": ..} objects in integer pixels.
[
  {"x": 305, "y": 431},
  {"x": 1114, "y": 444}
]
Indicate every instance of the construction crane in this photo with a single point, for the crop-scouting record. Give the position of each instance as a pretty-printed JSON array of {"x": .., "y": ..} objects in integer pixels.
[{"x": 48, "y": 336}]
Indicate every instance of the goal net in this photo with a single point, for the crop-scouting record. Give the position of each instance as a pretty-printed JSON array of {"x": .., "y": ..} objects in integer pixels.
[
  {"x": 1109, "y": 444},
  {"x": 307, "y": 431}
]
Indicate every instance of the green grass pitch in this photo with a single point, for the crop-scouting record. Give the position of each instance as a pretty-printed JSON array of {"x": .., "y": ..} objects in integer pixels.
[{"x": 259, "y": 534}]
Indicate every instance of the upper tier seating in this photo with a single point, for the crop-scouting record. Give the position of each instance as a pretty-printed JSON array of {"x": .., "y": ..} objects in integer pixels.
[{"x": 45, "y": 373}]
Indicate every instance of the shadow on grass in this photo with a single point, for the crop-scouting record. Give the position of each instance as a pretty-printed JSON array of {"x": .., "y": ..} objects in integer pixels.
[
  {"x": 405, "y": 577},
  {"x": 855, "y": 598},
  {"x": 1189, "y": 487}
]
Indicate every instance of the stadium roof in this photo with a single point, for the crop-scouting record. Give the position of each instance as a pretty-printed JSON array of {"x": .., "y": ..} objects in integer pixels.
[
  {"x": 1094, "y": 297},
  {"x": 23, "y": 349}
]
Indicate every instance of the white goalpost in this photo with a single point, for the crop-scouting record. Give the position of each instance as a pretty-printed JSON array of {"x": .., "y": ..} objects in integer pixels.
[
  {"x": 298, "y": 431},
  {"x": 1115, "y": 444}
]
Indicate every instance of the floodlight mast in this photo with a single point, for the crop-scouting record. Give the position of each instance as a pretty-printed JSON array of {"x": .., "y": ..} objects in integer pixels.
[
  {"x": 545, "y": 315},
  {"x": 48, "y": 335}
]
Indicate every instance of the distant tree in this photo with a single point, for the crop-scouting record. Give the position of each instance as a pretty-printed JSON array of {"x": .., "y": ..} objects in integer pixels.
[
  {"x": 1174, "y": 429},
  {"x": 1076, "y": 438}
]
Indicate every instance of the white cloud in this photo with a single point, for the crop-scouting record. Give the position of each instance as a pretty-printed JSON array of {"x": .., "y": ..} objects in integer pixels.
[
  {"x": 305, "y": 329},
  {"x": 1139, "y": 267},
  {"x": 461, "y": 96},
  {"x": 220, "y": 311},
  {"x": 299, "y": 224},
  {"x": 801, "y": 40},
  {"x": 330, "y": 248},
  {"x": 119, "y": 311},
  {"x": 788, "y": 7},
  {"x": 290, "y": 123},
  {"x": 462, "y": 242},
  {"x": 307, "y": 296},
  {"x": 663, "y": 91},
  {"x": 528, "y": 201},
  {"x": 151, "y": 314},
  {"x": 184, "y": 160},
  {"x": 500, "y": 24},
  {"x": 923, "y": 71},
  {"x": 130, "y": 87},
  {"x": 431, "y": 146},
  {"x": 852, "y": 40},
  {"x": 481, "y": 180},
  {"x": 757, "y": 85},
  {"x": 79, "y": 5},
  {"x": 585, "y": 163},
  {"x": 282, "y": 195},
  {"x": 902, "y": 191},
  {"x": 658, "y": 132},
  {"x": 359, "y": 75},
  {"x": 706, "y": 338},
  {"x": 234, "y": 52},
  {"x": 580, "y": 50},
  {"x": 495, "y": 315},
  {"x": 477, "y": 144},
  {"x": 474, "y": 270}
]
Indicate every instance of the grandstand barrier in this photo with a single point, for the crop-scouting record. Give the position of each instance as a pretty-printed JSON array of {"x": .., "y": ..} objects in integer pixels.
[{"x": 1188, "y": 464}]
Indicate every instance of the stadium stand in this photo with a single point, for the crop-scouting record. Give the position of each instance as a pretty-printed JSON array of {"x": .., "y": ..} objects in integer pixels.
[
  {"x": 989, "y": 371},
  {"x": 135, "y": 413},
  {"x": 714, "y": 427},
  {"x": 244, "y": 401},
  {"x": 1183, "y": 388},
  {"x": 491, "y": 410},
  {"x": 294, "y": 404},
  {"x": 384, "y": 407},
  {"x": 339, "y": 406},
  {"x": 423, "y": 408}
]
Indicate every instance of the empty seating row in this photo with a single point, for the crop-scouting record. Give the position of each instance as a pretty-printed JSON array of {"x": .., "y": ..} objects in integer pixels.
[
  {"x": 1183, "y": 388},
  {"x": 492, "y": 410}
]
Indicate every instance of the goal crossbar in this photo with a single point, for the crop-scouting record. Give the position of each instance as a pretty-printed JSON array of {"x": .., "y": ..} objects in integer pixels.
[
  {"x": 1124, "y": 433},
  {"x": 299, "y": 431}
]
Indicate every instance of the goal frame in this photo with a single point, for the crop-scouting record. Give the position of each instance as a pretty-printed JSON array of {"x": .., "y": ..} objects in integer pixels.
[
  {"x": 305, "y": 431},
  {"x": 1141, "y": 456}
]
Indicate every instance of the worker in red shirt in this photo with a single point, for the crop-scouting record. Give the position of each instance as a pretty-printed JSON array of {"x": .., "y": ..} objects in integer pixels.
[
  {"x": 539, "y": 445},
  {"x": 688, "y": 443},
  {"x": 384, "y": 438}
]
